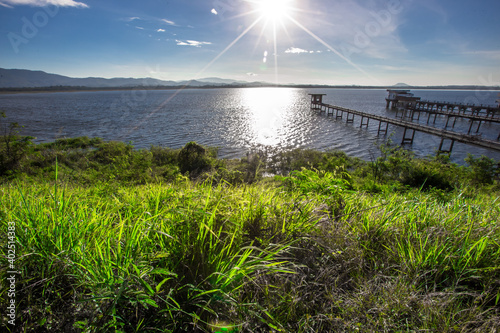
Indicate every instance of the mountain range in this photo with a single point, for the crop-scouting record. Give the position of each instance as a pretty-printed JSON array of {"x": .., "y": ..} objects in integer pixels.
[
  {"x": 22, "y": 78},
  {"x": 25, "y": 80}
]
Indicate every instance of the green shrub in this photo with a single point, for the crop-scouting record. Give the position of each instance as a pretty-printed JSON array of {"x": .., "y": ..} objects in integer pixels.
[
  {"x": 111, "y": 152},
  {"x": 399, "y": 165},
  {"x": 426, "y": 175},
  {"x": 164, "y": 156},
  {"x": 194, "y": 159},
  {"x": 82, "y": 142},
  {"x": 252, "y": 167},
  {"x": 13, "y": 148},
  {"x": 338, "y": 160},
  {"x": 482, "y": 170}
]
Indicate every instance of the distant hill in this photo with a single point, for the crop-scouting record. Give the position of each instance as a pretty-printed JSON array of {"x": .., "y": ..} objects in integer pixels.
[
  {"x": 22, "y": 78},
  {"x": 27, "y": 80},
  {"x": 12, "y": 78}
]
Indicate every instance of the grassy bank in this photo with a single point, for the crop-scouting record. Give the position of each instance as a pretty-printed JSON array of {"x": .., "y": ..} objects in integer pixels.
[{"x": 115, "y": 239}]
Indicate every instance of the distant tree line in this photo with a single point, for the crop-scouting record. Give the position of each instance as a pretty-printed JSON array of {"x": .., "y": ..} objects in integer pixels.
[{"x": 214, "y": 86}]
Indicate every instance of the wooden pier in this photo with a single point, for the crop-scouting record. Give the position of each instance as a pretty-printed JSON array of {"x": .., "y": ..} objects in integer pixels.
[
  {"x": 414, "y": 114},
  {"x": 404, "y": 99},
  {"x": 486, "y": 111},
  {"x": 409, "y": 127},
  {"x": 411, "y": 107},
  {"x": 415, "y": 111}
]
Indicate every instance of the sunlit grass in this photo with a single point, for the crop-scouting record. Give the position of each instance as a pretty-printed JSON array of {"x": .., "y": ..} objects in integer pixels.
[
  {"x": 183, "y": 250},
  {"x": 334, "y": 245}
]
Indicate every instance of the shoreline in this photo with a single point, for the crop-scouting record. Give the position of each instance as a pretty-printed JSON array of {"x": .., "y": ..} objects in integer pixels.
[{"x": 69, "y": 89}]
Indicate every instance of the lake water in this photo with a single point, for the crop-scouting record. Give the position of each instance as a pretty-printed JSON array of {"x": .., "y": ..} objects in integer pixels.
[{"x": 235, "y": 120}]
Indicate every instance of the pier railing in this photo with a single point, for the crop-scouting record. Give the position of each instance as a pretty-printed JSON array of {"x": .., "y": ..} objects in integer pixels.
[{"x": 459, "y": 108}]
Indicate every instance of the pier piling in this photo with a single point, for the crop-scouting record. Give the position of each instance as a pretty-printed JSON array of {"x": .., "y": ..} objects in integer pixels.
[
  {"x": 410, "y": 138},
  {"x": 350, "y": 118},
  {"x": 363, "y": 122},
  {"x": 471, "y": 124},
  {"x": 382, "y": 130},
  {"x": 445, "y": 151}
]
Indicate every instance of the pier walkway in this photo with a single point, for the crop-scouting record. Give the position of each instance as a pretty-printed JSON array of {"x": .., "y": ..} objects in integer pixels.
[
  {"x": 414, "y": 114},
  {"x": 485, "y": 111},
  {"x": 409, "y": 127},
  {"x": 404, "y": 99}
]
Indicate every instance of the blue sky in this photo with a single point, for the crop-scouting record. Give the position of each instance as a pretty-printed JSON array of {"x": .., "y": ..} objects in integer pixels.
[{"x": 370, "y": 42}]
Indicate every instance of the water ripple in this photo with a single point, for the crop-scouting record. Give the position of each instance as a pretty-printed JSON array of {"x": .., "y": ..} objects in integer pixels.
[{"x": 235, "y": 120}]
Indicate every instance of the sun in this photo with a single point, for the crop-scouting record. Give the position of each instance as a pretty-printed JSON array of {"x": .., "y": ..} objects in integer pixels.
[{"x": 273, "y": 10}]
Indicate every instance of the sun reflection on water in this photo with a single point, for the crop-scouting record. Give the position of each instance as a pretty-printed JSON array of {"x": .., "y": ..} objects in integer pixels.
[{"x": 268, "y": 110}]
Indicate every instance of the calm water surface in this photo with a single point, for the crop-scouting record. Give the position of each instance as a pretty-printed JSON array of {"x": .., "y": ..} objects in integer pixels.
[{"x": 235, "y": 120}]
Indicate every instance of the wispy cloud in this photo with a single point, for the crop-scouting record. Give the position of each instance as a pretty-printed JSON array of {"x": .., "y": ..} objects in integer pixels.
[
  {"x": 160, "y": 30},
  {"x": 43, "y": 3},
  {"x": 297, "y": 50},
  {"x": 194, "y": 43},
  {"x": 168, "y": 22},
  {"x": 130, "y": 19}
]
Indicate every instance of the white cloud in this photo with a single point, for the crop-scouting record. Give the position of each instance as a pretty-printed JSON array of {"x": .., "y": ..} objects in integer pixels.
[
  {"x": 214, "y": 11},
  {"x": 296, "y": 50},
  {"x": 160, "y": 30},
  {"x": 194, "y": 43},
  {"x": 168, "y": 22},
  {"x": 43, "y": 3},
  {"x": 140, "y": 28},
  {"x": 130, "y": 19}
]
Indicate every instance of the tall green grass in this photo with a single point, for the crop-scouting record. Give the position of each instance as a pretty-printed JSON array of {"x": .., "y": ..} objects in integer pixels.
[
  {"x": 331, "y": 245},
  {"x": 180, "y": 252},
  {"x": 394, "y": 263},
  {"x": 183, "y": 257}
]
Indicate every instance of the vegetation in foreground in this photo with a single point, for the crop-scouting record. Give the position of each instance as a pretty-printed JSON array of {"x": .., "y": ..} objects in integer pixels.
[{"x": 115, "y": 239}]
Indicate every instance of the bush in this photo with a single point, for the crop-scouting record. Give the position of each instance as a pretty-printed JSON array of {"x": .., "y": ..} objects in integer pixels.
[
  {"x": 252, "y": 166},
  {"x": 164, "y": 156},
  {"x": 482, "y": 170},
  {"x": 427, "y": 175},
  {"x": 400, "y": 165},
  {"x": 111, "y": 152},
  {"x": 12, "y": 147},
  {"x": 194, "y": 159},
  {"x": 82, "y": 142}
]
